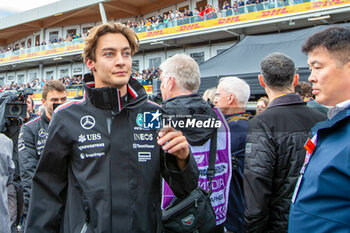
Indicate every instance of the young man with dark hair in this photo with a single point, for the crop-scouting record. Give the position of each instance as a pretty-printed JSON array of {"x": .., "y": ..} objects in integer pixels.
[
  {"x": 274, "y": 148},
  {"x": 103, "y": 160},
  {"x": 321, "y": 200},
  {"x": 305, "y": 90},
  {"x": 33, "y": 135}
]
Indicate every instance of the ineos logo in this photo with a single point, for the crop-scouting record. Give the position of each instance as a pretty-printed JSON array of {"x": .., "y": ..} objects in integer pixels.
[
  {"x": 87, "y": 122},
  {"x": 143, "y": 137}
]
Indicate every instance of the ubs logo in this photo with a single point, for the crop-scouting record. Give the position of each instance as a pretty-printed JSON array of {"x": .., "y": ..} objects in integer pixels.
[
  {"x": 87, "y": 122},
  {"x": 89, "y": 137}
]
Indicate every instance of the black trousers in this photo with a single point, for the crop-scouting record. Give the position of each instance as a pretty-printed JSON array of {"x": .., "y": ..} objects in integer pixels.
[{"x": 219, "y": 229}]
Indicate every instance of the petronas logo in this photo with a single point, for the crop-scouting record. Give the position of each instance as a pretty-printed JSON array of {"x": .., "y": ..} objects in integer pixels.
[{"x": 139, "y": 120}]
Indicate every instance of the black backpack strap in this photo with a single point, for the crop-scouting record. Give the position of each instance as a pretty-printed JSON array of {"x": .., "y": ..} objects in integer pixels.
[{"x": 212, "y": 159}]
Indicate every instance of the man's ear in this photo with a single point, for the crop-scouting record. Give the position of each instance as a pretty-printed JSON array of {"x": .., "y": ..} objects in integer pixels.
[
  {"x": 171, "y": 83},
  {"x": 43, "y": 101},
  {"x": 90, "y": 64},
  {"x": 347, "y": 66},
  {"x": 261, "y": 80},
  {"x": 295, "y": 80},
  {"x": 231, "y": 98}
]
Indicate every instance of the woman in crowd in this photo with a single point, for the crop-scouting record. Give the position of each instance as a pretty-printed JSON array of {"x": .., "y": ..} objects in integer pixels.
[{"x": 262, "y": 104}]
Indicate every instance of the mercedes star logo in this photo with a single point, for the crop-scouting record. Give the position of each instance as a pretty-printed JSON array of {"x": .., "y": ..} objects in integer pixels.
[
  {"x": 87, "y": 122},
  {"x": 42, "y": 133}
]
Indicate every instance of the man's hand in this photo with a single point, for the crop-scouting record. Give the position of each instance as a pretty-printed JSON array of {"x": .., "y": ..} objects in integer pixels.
[{"x": 174, "y": 143}]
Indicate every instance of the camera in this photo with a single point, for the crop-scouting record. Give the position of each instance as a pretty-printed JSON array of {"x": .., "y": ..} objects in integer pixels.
[
  {"x": 13, "y": 107},
  {"x": 15, "y": 110}
]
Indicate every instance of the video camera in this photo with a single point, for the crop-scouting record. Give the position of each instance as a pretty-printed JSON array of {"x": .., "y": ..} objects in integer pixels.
[{"x": 13, "y": 106}]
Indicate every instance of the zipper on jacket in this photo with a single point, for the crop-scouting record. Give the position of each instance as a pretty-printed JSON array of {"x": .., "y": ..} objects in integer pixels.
[
  {"x": 183, "y": 204},
  {"x": 84, "y": 229},
  {"x": 85, "y": 208},
  {"x": 87, "y": 217},
  {"x": 110, "y": 121}
]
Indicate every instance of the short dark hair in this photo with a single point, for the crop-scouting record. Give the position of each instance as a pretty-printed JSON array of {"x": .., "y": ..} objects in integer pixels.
[
  {"x": 278, "y": 70},
  {"x": 304, "y": 89},
  {"x": 52, "y": 85},
  {"x": 335, "y": 39}
]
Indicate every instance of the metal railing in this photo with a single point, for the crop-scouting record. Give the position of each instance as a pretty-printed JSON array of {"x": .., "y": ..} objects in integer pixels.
[
  {"x": 221, "y": 14},
  {"x": 41, "y": 48}
]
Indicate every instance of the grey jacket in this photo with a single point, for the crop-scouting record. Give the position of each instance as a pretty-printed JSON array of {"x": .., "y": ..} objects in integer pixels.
[{"x": 6, "y": 168}]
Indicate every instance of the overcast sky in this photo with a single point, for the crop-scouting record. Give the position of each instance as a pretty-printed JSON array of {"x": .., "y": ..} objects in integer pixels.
[{"x": 10, "y": 7}]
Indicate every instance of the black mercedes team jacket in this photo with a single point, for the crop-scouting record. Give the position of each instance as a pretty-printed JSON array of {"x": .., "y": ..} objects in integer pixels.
[
  {"x": 31, "y": 144},
  {"x": 274, "y": 156},
  {"x": 101, "y": 168}
]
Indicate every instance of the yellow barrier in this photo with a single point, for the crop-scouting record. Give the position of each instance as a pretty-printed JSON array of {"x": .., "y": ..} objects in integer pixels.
[
  {"x": 148, "y": 88},
  {"x": 71, "y": 94}
]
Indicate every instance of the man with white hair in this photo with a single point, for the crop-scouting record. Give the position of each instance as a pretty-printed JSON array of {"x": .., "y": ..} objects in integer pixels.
[
  {"x": 180, "y": 80},
  {"x": 231, "y": 97}
]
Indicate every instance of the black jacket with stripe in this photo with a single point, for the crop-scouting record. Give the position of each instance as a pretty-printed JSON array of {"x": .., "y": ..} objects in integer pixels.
[
  {"x": 31, "y": 142},
  {"x": 101, "y": 168}
]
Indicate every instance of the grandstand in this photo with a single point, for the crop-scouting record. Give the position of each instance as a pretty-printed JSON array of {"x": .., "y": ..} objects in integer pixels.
[{"x": 46, "y": 42}]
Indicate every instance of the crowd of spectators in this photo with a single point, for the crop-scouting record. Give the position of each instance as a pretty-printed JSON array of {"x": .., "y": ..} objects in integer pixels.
[
  {"x": 172, "y": 15},
  {"x": 53, "y": 40},
  {"x": 145, "y": 77},
  {"x": 71, "y": 81},
  {"x": 153, "y": 21},
  {"x": 226, "y": 5},
  {"x": 207, "y": 11},
  {"x": 38, "y": 84}
]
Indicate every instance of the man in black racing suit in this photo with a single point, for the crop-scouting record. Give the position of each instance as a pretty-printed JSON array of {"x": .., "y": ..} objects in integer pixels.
[
  {"x": 103, "y": 160},
  {"x": 33, "y": 135}
]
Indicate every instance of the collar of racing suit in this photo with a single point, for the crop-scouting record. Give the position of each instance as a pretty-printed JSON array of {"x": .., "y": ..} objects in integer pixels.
[
  {"x": 109, "y": 98},
  {"x": 45, "y": 118}
]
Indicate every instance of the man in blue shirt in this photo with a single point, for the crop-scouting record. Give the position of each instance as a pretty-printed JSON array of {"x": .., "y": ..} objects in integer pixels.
[{"x": 321, "y": 200}]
